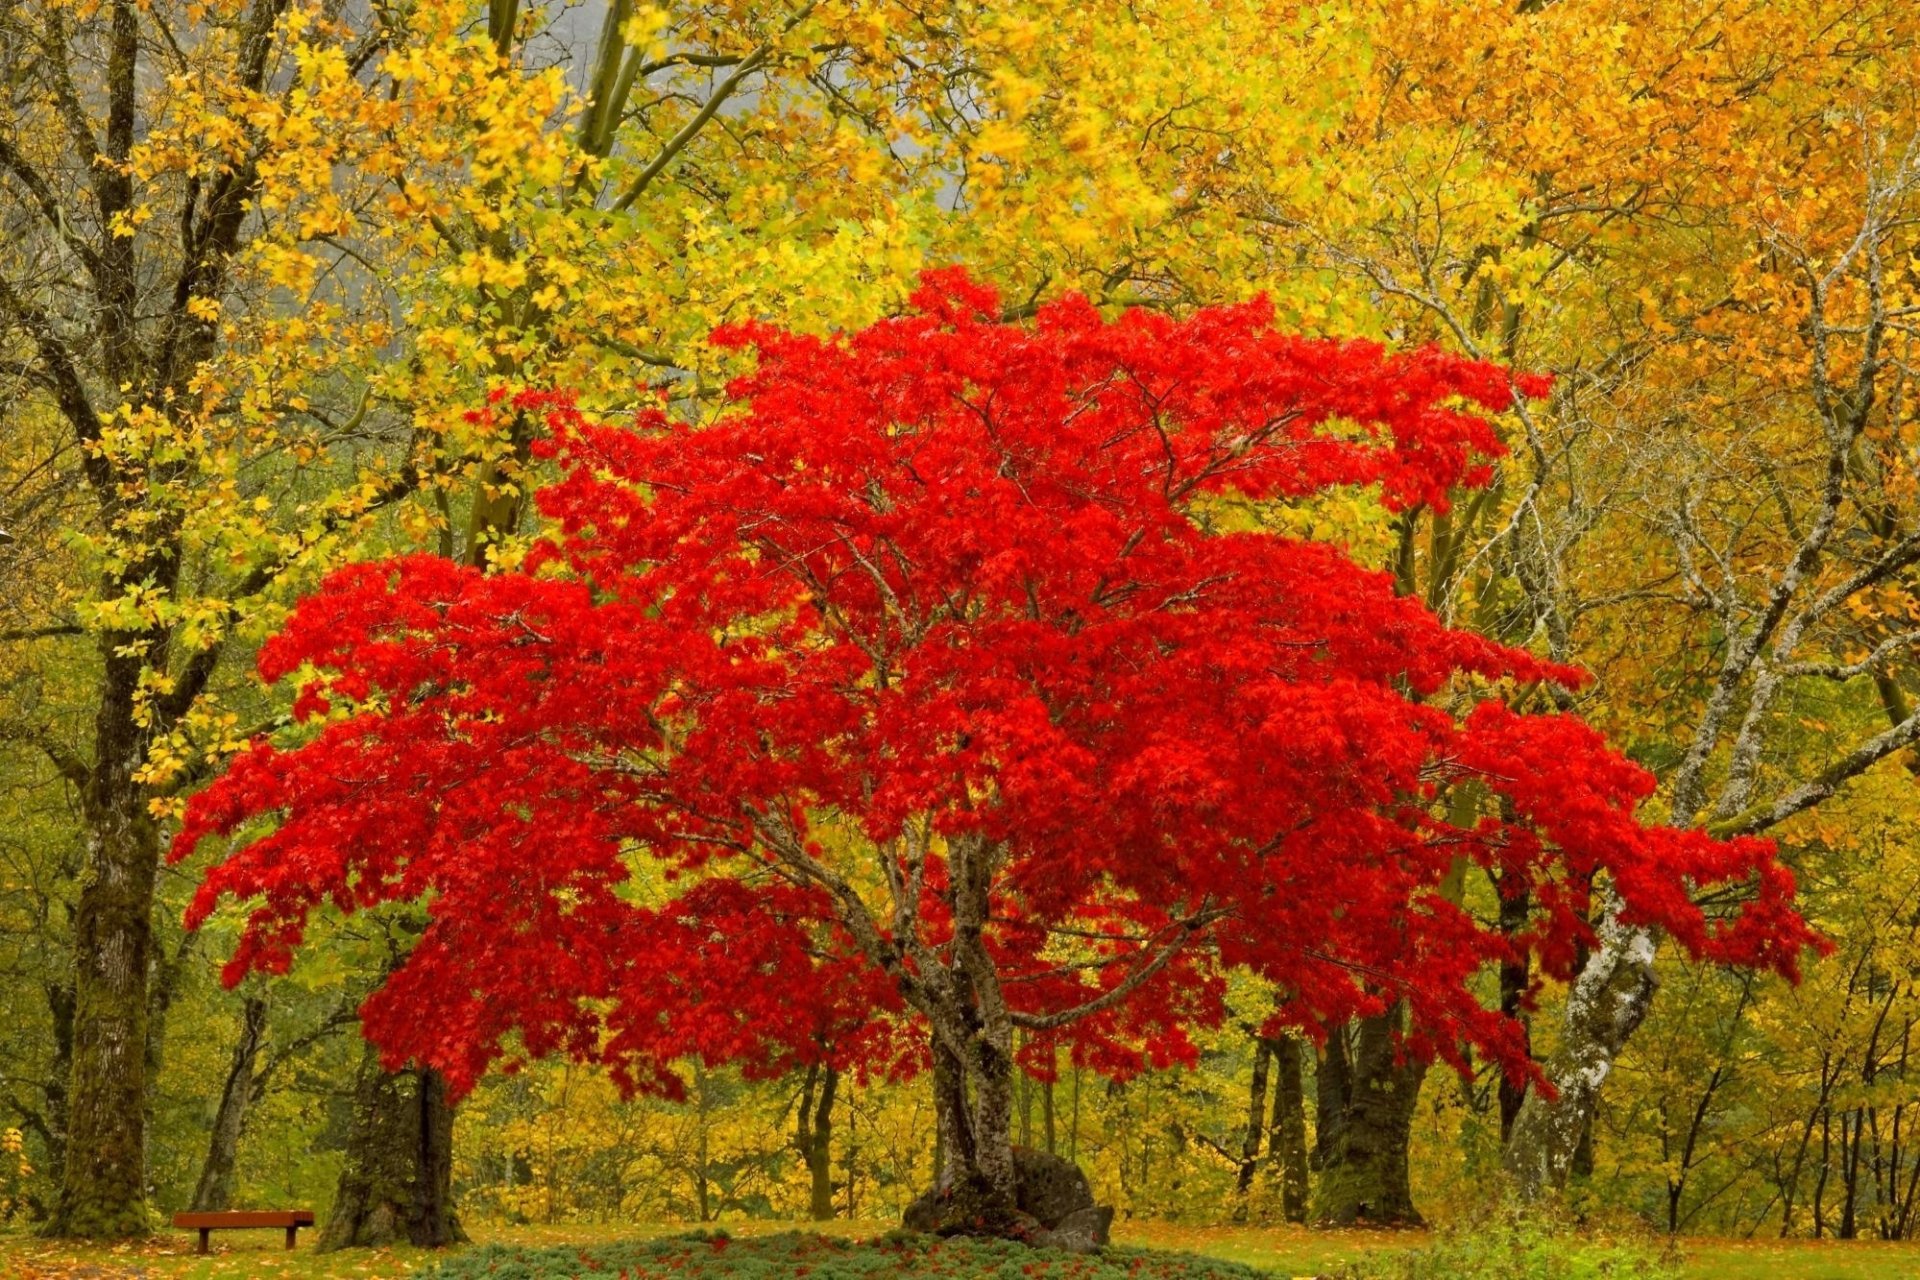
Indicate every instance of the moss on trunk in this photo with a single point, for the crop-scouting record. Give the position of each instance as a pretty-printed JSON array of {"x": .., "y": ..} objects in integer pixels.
[
  {"x": 397, "y": 1186},
  {"x": 103, "y": 1183},
  {"x": 1366, "y": 1122}
]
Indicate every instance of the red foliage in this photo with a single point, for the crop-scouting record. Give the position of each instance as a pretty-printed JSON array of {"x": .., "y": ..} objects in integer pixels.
[{"x": 973, "y": 580}]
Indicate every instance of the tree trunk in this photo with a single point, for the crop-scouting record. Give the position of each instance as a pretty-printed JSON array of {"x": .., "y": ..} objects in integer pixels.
[
  {"x": 814, "y": 1137},
  {"x": 1514, "y": 909},
  {"x": 1363, "y": 1155},
  {"x": 215, "y": 1189},
  {"x": 103, "y": 1184},
  {"x": 397, "y": 1186},
  {"x": 1333, "y": 1082},
  {"x": 1849, "y": 1175},
  {"x": 1256, "y": 1125},
  {"x": 59, "y": 1078},
  {"x": 991, "y": 1072},
  {"x": 1608, "y": 1002},
  {"x": 978, "y": 1031},
  {"x": 1288, "y": 1144},
  {"x": 953, "y": 1128},
  {"x": 1047, "y": 1114}
]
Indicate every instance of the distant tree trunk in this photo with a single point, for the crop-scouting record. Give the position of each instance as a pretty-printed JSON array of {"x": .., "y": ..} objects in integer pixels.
[
  {"x": 1287, "y": 1150},
  {"x": 397, "y": 1186},
  {"x": 1256, "y": 1125},
  {"x": 59, "y": 1074},
  {"x": 1849, "y": 1174},
  {"x": 215, "y": 1188},
  {"x": 814, "y": 1136},
  {"x": 1046, "y": 1112},
  {"x": 1826, "y": 1167},
  {"x": 1367, "y": 1114},
  {"x": 1514, "y": 909}
]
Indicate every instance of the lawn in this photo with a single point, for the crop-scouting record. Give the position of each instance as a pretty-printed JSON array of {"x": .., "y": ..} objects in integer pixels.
[{"x": 1284, "y": 1252}]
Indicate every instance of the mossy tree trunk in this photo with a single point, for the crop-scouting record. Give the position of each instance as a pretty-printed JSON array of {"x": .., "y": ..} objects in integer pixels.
[
  {"x": 103, "y": 1179},
  {"x": 397, "y": 1186},
  {"x": 1368, "y": 1093},
  {"x": 1288, "y": 1143}
]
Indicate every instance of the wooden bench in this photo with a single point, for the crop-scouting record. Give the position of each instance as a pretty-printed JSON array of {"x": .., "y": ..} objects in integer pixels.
[{"x": 208, "y": 1223}]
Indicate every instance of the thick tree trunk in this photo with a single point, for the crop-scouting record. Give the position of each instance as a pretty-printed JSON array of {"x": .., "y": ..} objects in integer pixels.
[
  {"x": 1288, "y": 1143},
  {"x": 397, "y": 1186},
  {"x": 1368, "y": 1115},
  {"x": 976, "y": 1189},
  {"x": 1609, "y": 1000},
  {"x": 215, "y": 1189},
  {"x": 953, "y": 1129},
  {"x": 1333, "y": 1082},
  {"x": 978, "y": 1033},
  {"x": 991, "y": 1072},
  {"x": 814, "y": 1137},
  {"x": 103, "y": 1184},
  {"x": 981, "y": 1188}
]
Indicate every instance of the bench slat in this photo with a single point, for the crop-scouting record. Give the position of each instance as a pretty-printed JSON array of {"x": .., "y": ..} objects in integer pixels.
[{"x": 246, "y": 1218}]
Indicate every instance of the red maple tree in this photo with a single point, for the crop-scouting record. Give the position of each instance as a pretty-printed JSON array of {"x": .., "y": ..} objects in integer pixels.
[{"x": 950, "y": 685}]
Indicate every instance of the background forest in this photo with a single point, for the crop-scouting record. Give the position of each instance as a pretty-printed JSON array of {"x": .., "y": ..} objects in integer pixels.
[{"x": 261, "y": 261}]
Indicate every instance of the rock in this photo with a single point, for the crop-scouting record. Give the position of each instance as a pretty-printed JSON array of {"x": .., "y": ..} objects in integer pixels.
[
  {"x": 1053, "y": 1207},
  {"x": 1049, "y": 1187},
  {"x": 1082, "y": 1231},
  {"x": 924, "y": 1213}
]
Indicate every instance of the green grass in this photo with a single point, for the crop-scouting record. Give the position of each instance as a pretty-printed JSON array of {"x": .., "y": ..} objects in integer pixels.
[{"x": 1283, "y": 1252}]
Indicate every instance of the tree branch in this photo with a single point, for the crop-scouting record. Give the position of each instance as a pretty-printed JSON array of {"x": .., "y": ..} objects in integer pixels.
[
  {"x": 1185, "y": 930},
  {"x": 1762, "y": 816}
]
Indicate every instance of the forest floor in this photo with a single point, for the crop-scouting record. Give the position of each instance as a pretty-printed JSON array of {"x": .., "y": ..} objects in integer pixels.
[{"x": 1284, "y": 1252}]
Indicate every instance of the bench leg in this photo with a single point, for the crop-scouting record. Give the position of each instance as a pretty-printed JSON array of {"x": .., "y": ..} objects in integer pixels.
[
  {"x": 205, "y": 1232},
  {"x": 292, "y": 1231}
]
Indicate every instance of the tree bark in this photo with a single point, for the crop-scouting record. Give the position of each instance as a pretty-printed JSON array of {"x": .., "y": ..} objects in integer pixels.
[
  {"x": 1370, "y": 1103},
  {"x": 1048, "y": 1128},
  {"x": 978, "y": 1030},
  {"x": 1287, "y": 1149},
  {"x": 1333, "y": 1082},
  {"x": 1608, "y": 1002},
  {"x": 103, "y": 1184},
  {"x": 397, "y": 1186},
  {"x": 991, "y": 1071},
  {"x": 1256, "y": 1124},
  {"x": 59, "y": 1078},
  {"x": 954, "y": 1130},
  {"x": 814, "y": 1137},
  {"x": 215, "y": 1188},
  {"x": 1514, "y": 977}
]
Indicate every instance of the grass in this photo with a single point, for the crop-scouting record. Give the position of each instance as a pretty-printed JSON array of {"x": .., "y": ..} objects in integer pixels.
[
  {"x": 898, "y": 1256},
  {"x": 1282, "y": 1251}
]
